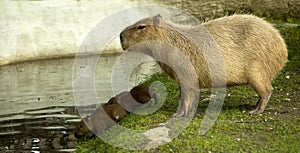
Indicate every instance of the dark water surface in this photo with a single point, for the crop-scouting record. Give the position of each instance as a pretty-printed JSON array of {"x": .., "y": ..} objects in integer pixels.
[{"x": 37, "y": 107}]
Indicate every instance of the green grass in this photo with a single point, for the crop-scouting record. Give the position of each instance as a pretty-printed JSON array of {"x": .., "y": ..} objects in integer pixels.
[{"x": 277, "y": 130}]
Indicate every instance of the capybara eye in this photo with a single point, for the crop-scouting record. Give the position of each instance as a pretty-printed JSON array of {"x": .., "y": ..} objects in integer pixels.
[
  {"x": 141, "y": 27},
  {"x": 80, "y": 126}
]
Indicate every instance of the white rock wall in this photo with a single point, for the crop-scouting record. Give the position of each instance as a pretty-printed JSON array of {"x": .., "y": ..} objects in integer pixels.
[{"x": 50, "y": 28}]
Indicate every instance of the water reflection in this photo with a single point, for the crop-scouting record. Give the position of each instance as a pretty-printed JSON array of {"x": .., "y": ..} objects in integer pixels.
[
  {"x": 38, "y": 111},
  {"x": 43, "y": 131}
]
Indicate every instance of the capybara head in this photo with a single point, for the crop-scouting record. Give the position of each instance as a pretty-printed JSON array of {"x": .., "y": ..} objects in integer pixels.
[
  {"x": 96, "y": 124},
  {"x": 100, "y": 120},
  {"x": 146, "y": 29},
  {"x": 81, "y": 128}
]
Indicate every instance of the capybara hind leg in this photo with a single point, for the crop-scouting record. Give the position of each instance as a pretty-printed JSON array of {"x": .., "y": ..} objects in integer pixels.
[
  {"x": 181, "y": 110},
  {"x": 185, "y": 104},
  {"x": 264, "y": 91}
]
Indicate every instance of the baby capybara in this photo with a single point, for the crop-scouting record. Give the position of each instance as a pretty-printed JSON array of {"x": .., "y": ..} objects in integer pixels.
[{"x": 114, "y": 110}]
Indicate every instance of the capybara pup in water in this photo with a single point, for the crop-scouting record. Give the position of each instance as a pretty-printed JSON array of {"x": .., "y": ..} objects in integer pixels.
[
  {"x": 106, "y": 116},
  {"x": 253, "y": 52}
]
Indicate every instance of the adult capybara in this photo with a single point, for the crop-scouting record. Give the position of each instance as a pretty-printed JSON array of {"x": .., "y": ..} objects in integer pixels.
[
  {"x": 106, "y": 116},
  {"x": 253, "y": 52}
]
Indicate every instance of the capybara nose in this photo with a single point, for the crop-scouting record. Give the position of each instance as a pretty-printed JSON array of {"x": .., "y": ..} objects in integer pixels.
[
  {"x": 121, "y": 37},
  {"x": 122, "y": 41},
  {"x": 76, "y": 135}
]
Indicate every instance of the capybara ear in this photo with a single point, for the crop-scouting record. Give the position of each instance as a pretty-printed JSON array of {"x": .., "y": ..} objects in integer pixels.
[
  {"x": 112, "y": 100},
  {"x": 158, "y": 15},
  {"x": 156, "y": 19}
]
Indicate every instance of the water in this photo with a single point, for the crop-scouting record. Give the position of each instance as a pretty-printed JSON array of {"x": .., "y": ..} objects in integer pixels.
[{"x": 38, "y": 110}]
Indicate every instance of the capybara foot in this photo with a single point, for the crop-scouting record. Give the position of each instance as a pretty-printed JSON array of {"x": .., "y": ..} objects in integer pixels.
[
  {"x": 178, "y": 114},
  {"x": 255, "y": 111},
  {"x": 182, "y": 111}
]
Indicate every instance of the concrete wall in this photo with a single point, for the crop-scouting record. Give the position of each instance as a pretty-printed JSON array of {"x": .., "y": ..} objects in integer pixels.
[{"x": 50, "y": 28}]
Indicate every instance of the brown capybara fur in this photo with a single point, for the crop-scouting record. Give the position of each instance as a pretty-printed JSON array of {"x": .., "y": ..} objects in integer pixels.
[
  {"x": 105, "y": 116},
  {"x": 141, "y": 94},
  {"x": 102, "y": 118},
  {"x": 253, "y": 52}
]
